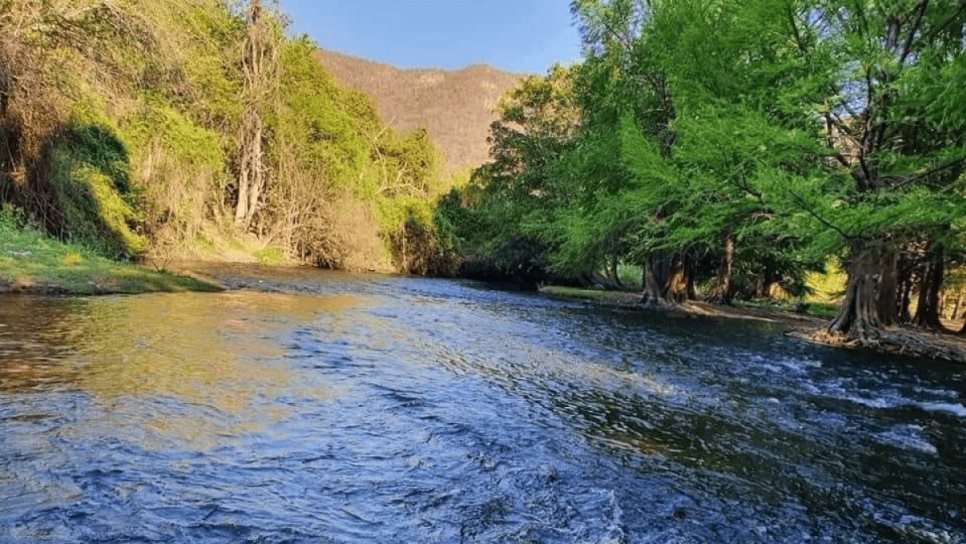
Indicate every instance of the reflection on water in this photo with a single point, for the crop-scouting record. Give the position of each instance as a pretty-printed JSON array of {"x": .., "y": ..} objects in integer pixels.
[
  {"x": 219, "y": 352},
  {"x": 319, "y": 406}
]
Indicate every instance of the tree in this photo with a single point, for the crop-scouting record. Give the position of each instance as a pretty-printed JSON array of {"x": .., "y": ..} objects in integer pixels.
[
  {"x": 879, "y": 62},
  {"x": 260, "y": 67},
  {"x": 505, "y": 214},
  {"x": 733, "y": 143}
]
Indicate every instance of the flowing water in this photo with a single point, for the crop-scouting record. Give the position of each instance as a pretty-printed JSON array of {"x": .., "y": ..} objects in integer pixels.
[{"x": 324, "y": 407}]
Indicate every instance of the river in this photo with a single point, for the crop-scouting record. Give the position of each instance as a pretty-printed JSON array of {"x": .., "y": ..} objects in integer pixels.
[{"x": 311, "y": 406}]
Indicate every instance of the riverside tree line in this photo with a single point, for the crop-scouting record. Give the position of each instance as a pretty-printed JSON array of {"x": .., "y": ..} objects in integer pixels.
[{"x": 726, "y": 146}]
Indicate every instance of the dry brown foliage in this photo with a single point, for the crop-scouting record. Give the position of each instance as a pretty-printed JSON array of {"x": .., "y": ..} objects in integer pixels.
[{"x": 176, "y": 200}]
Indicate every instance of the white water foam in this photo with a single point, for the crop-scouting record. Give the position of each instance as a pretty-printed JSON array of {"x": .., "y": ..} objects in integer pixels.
[
  {"x": 953, "y": 408},
  {"x": 907, "y": 437},
  {"x": 948, "y": 407}
]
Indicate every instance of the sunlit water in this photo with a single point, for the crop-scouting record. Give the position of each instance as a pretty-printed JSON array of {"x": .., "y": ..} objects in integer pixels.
[{"x": 324, "y": 407}]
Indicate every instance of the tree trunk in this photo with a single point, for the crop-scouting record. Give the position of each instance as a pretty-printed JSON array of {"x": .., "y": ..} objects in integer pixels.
[
  {"x": 905, "y": 299},
  {"x": 927, "y": 312},
  {"x": 665, "y": 280},
  {"x": 960, "y": 301},
  {"x": 689, "y": 266},
  {"x": 615, "y": 273},
  {"x": 858, "y": 317},
  {"x": 259, "y": 69},
  {"x": 251, "y": 171},
  {"x": 609, "y": 278},
  {"x": 764, "y": 284},
  {"x": 241, "y": 205},
  {"x": 905, "y": 292},
  {"x": 722, "y": 291},
  {"x": 888, "y": 289},
  {"x": 258, "y": 169},
  {"x": 405, "y": 256}
]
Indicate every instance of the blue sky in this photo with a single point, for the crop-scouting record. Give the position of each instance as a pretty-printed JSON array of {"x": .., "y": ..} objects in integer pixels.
[{"x": 515, "y": 35}]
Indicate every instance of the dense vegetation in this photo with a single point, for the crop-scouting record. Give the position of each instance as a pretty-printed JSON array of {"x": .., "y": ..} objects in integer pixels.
[
  {"x": 177, "y": 128},
  {"x": 732, "y": 147}
]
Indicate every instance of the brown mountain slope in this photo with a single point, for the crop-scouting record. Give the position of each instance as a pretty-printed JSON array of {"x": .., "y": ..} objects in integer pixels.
[{"x": 456, "y": 107}]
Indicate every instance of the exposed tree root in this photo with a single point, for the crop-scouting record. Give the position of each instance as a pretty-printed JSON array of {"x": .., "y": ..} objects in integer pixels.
[
  {"x": 907, "y": 342},
  {"x": 892, "y": 341}
]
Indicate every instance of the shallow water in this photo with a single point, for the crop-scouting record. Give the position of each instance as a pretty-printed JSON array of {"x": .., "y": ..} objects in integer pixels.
[{"x": 313, "y": 406}]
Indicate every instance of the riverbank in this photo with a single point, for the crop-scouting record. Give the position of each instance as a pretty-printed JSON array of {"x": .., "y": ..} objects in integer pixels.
[
  {"x": 809, "y": 326},
  {"x": 813, "y": 315},
  {"x": 33, "y": 263}
]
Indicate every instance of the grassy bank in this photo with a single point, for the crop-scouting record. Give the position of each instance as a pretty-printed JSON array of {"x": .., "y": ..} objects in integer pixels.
[
  {"x": 600, "y": 295},
  {"x": 31, "y": 262},
  {"x": 821, "y": 310}
]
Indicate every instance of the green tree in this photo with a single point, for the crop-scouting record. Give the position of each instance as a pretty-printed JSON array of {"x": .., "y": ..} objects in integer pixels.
[{"x": 885, "y": 69}]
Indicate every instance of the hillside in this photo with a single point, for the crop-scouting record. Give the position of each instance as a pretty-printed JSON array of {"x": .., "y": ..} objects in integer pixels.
[
  {"x": 151, "y": 130},
  {"x": 456, "y": 107}
]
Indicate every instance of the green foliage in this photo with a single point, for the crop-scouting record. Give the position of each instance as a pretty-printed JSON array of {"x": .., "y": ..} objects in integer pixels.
[
  {"x": 181, "y": 170},
  {"x": 90, "y": 177},
  {"x": 794, "y": 130},
  {"x": 160, "y": 123},
  {"x": 205, "y": 44},
  {"x": 120, "y": 116},
  {"x": 500, "y": 221},
  {"x": 630, "y": 276},
  {"x": 328, "y": 144},
  {"x": 320, "y": 127},
  {"x": 12, "y": 219},
  {"x": 270, "y": 255}
]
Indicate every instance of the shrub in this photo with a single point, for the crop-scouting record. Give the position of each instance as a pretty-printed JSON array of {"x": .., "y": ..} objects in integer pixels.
[{"x": 89, "y": 173}]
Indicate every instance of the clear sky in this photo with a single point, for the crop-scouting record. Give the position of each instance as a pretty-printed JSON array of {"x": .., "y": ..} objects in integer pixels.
[{"x": 515, "y": 35}]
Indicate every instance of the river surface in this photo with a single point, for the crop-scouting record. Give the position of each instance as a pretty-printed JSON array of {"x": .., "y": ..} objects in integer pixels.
[{"x": 322, "y": 407}]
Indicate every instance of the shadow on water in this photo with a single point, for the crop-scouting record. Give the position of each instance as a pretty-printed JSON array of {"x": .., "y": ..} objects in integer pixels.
[{"x": 314, "y": 406}]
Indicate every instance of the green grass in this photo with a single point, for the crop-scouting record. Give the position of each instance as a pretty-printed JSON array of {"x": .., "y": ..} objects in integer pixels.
[
  {"x": 631, "y": 275},
  {"x": 587, "y": 294},
  {"x": 34, "y": 263},
  {"x": 823, "y": 310},
  {"x": 270, "y": 255}
]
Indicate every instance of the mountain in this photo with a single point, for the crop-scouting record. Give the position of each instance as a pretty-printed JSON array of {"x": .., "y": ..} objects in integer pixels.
[{"x": 455, "y": 106}]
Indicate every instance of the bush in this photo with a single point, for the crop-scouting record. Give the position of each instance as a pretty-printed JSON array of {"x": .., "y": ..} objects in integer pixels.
[{"x": 89, "y": 173}]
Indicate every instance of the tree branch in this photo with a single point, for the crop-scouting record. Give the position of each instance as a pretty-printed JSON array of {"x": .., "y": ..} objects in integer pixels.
[
  {"x": 907, "y": 46},
  {"x": 910, "y": 179},
  {"x": 804, "y": 205}
]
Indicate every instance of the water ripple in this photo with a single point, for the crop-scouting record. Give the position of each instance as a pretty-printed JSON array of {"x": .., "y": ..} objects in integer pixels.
[{"x": 328, "y": 407}]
